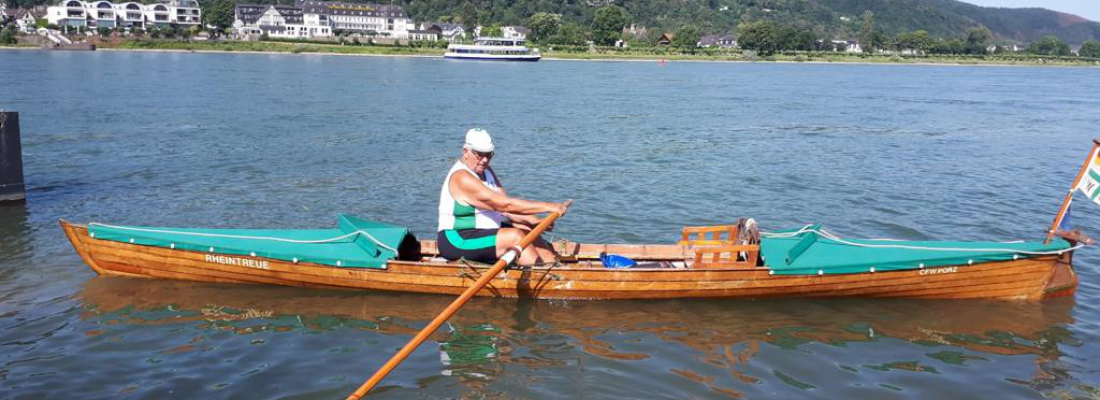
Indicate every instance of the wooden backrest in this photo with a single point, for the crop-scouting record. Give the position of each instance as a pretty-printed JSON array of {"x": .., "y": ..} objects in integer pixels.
[
  {"x": 708, "y": 235},
  {"x": 726, "y": 256}
]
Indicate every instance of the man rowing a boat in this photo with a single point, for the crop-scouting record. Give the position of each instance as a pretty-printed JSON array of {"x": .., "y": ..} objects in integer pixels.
[{"x": 478, "y": 221}]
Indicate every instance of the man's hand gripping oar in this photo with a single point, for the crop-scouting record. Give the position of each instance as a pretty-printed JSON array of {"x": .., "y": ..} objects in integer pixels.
[{"x": 508, "y": 258}]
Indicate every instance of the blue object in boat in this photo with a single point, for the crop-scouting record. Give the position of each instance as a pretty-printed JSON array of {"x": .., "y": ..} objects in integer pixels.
[{"x": 616, "y": 261}]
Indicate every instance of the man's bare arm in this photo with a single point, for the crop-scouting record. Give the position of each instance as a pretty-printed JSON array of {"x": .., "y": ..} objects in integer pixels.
[{"x": 466, "y": 187}]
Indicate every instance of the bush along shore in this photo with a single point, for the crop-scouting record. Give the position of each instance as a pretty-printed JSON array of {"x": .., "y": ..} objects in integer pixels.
[{"x": 566, "y": 52}]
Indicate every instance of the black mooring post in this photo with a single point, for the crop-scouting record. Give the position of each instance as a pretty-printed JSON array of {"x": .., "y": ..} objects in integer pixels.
[{"x": 11, "y": 158}]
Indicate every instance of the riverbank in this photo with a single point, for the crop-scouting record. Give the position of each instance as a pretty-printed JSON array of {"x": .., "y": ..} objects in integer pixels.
[
  {"x": 828, "y": 57},
  {"x": 595, "y": 54},
  {"x": 19, "y": 47}
]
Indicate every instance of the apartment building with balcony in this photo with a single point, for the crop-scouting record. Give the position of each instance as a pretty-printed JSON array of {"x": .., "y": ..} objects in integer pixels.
[
  {"x": 68, "y": 13},
  {"x": 104, "y": 14},
  {"x": 157, "y": 16},
  {"x": 101, "y": 14},
  {"x": 185, "y": 12},
  {"x": 130, "y": 15}
]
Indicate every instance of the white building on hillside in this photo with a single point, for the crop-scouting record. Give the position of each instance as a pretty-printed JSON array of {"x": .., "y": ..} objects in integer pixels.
[
  {"x": 287, "y": 22},
  {"x": 68, "y": 13},
  {"x": 514, "y": 32},
  {"x": 185, "y": 12},
  {"x": 310, "y": 19},
  {"x": 507, "y": 32},
  {"x": 130, "y": 15},
  {"x": 101, "y": 14},
  {"x": 429, "y": 35},
  {"x": 993, "y": 48},
  {"x": 720, "y": 41},
  {"x": 26, "y": 23},
  {"x": 849, "y": 46},
  {"x": 452, "y": 32},
  {"x": 157, "y": 16},
  {"x": 104, "y": 14},
  {"x": 371, "y": 19}
]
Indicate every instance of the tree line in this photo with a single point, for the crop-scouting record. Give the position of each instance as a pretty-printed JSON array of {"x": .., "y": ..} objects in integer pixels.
[{"x": 768, "y": 37}]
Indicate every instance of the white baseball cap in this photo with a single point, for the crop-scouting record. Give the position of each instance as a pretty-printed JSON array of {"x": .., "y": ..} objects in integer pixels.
[{"x": 478, "y": 139}]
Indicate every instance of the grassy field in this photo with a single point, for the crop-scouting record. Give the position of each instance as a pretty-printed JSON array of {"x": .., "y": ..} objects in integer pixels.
[{"x": 593, "y": 53}]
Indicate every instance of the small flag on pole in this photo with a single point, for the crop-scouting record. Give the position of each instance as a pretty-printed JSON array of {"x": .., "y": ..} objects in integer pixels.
[
  {"x": 1065, "y": 224},
  {"x": 1090, "y": 182},
  {"x": 1087, "y": 181}
]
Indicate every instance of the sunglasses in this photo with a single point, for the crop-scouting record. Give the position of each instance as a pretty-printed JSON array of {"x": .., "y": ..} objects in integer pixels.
[{"x": 479, "y": 154}]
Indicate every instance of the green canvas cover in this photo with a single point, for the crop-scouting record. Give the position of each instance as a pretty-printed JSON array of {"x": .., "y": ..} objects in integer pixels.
[
  {"x": 355, "y": 250},
  {"x": 809, "y": 253}
]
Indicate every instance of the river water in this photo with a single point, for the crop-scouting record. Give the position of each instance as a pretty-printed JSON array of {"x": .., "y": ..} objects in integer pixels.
[{"x": 289, "y": 141}]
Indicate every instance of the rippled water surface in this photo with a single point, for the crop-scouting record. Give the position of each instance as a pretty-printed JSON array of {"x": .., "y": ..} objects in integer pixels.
[{"x": 220, "y": 140}]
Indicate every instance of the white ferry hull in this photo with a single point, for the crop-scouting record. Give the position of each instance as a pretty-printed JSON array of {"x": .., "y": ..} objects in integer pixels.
[{"x": 493, "y": 57}]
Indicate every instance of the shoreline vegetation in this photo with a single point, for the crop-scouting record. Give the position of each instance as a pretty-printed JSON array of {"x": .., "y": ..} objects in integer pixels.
[{"x": 587, "y": 53}]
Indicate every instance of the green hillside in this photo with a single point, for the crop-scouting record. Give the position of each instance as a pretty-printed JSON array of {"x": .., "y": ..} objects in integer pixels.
[
  {"x": 839, "y": 19},
  {"x": 952, "y": 18}
]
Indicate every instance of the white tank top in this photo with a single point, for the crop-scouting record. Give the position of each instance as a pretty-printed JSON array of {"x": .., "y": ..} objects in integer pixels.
[{"x": 454, "y": 214}]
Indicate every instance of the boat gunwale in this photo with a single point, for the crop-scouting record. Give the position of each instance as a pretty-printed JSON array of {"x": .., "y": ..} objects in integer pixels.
[{"x": 429, "y": 261}]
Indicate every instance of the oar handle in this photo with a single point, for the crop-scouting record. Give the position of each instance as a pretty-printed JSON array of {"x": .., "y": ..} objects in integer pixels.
[{"x": 452, "y": 309}]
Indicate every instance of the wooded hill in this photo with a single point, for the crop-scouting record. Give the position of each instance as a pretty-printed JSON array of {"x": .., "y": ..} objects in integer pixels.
[{"x": 836, "y": 19}]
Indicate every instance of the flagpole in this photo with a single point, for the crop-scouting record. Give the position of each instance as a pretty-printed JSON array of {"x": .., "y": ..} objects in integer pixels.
[{"x": 1069, "y": 196}]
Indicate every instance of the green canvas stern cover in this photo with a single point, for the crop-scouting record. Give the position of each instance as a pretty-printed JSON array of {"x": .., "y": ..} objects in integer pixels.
[
  {"x": 355, "y": 243},
  {"x": 810, "y": 253}
]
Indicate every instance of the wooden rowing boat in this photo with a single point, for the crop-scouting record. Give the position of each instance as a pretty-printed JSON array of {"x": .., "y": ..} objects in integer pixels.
[{"x": 700, "y": 266}]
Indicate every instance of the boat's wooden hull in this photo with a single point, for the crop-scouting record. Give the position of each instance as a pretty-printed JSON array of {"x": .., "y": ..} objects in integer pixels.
[{"x": 1024, "y": 279}]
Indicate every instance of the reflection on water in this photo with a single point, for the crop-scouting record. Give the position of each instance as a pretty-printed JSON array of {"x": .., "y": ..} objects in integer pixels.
[
  {"x": 748, "y": 341},
  {"x": 15, "y": 249},
  {"x": 14, "y": 232}
]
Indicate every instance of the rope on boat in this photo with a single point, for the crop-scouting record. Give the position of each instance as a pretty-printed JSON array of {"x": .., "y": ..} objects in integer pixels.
[
  {"x": 274, "y": 239},
  {"x": 837, "y": 239}
]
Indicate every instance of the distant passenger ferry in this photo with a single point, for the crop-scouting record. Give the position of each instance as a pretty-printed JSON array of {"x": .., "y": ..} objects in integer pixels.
[{"x": 493, "y": 49}]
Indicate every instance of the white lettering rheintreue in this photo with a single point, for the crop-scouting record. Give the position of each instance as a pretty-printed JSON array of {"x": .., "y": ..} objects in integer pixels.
[{"x": 237, "y": 261}]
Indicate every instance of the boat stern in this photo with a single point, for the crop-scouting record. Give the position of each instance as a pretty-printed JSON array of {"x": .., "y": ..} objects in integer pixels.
[
  {"x": 78, "y": 235},
  {"x": 1063, "y": 279}
]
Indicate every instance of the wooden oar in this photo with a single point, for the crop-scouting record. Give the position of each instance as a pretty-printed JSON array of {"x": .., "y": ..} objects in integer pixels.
[{"x": 508, "y": 257}]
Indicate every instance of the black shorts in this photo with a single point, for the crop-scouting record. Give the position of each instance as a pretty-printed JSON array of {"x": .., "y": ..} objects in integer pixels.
[{"x": 478, "y": 245}]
